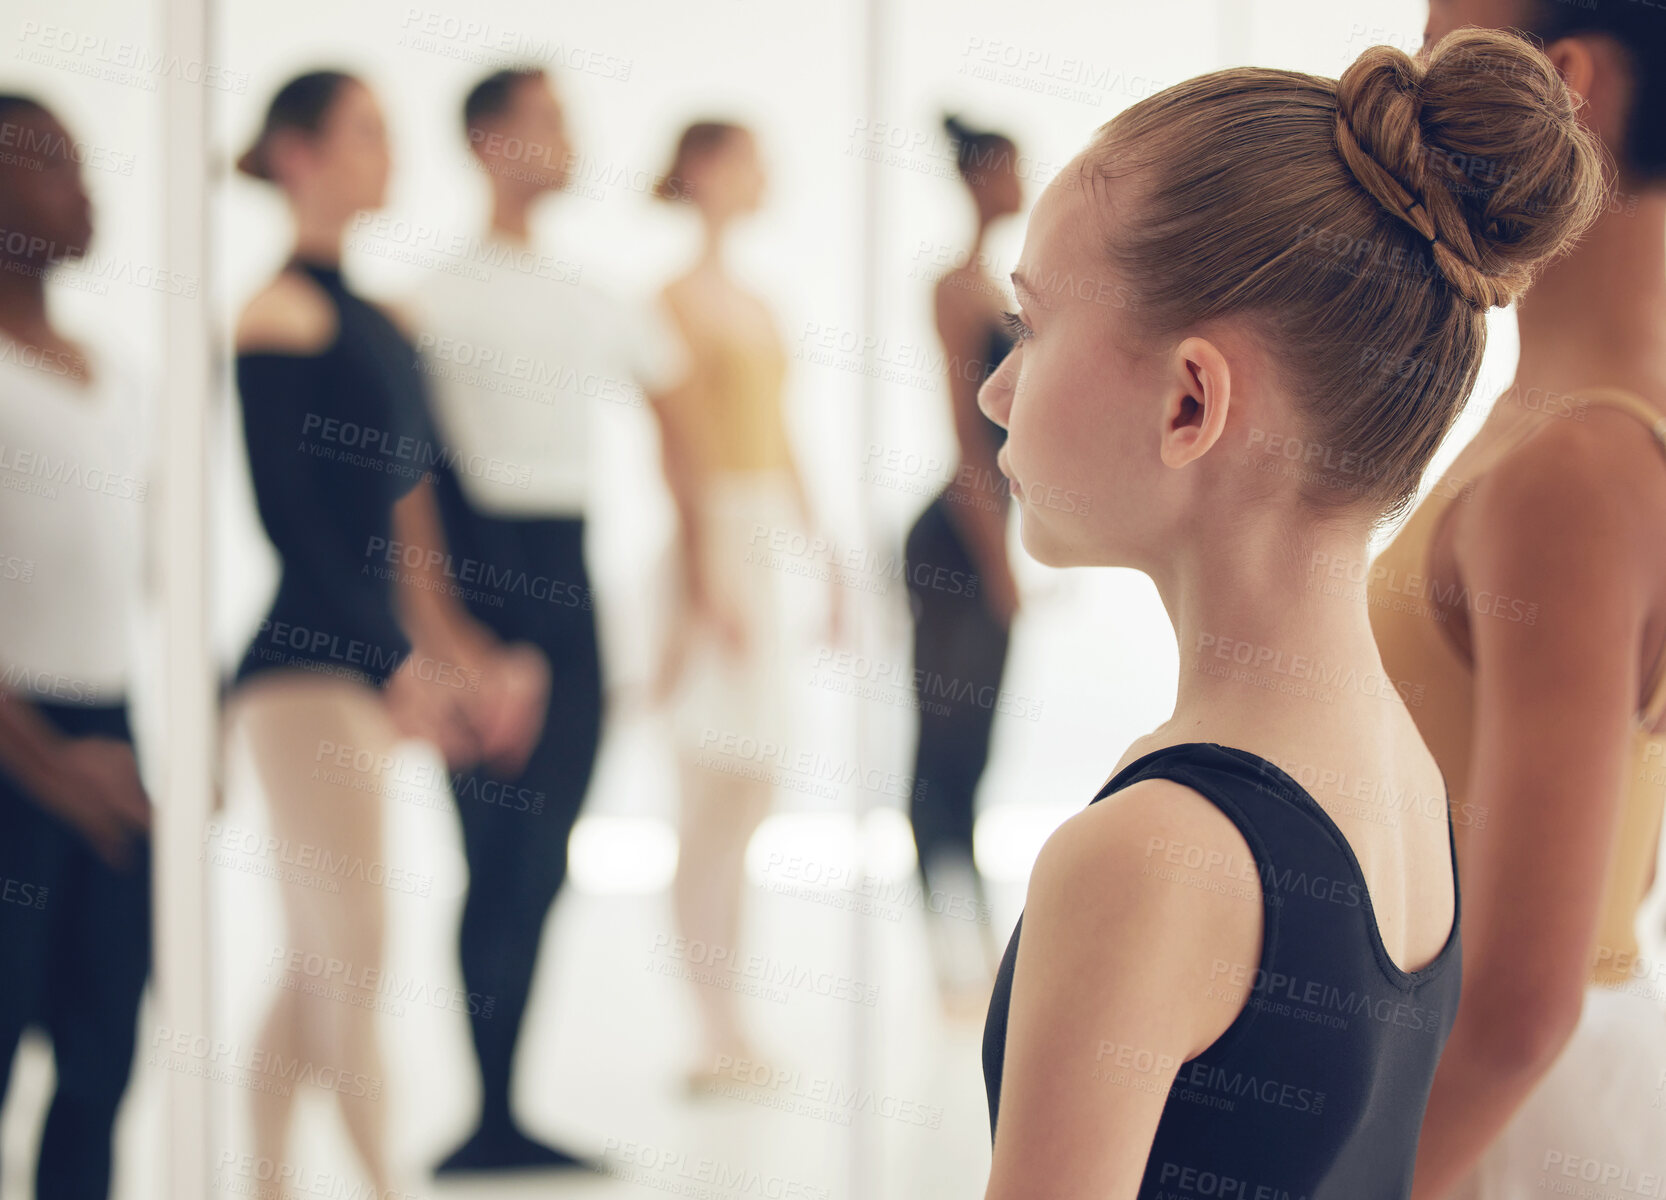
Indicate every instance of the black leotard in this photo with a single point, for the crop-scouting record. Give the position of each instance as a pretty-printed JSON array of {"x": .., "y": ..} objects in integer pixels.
[
  {"x": 960, "y": 651},
  {"x": 334, "y": 440},
  {"x": 1317, "y": 1090}
]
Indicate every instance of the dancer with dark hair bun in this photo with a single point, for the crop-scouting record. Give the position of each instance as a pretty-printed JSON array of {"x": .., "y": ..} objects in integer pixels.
[
  {"x": 1533, "y": 617},
  {"x": 526, "y": 526},
  {"x": 1237, "y": 967},
  {"x": 960, "y": 637},
  {"x": 75, "y": 896},
  {"x": 350, "y": 654}
]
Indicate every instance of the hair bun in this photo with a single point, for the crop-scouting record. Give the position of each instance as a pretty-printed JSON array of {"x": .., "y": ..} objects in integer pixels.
[
  {"x": 1479, "y": 149},
  {"x": 252, "y": 162}
]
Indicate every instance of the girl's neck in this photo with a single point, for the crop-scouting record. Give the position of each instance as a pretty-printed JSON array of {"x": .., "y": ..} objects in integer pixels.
[
  {"x": 1273, "y": 630},
  {"x": 512, "y": 214},
  {"x": 710, "y": 259},
  {"x": 318, "y": 235}
]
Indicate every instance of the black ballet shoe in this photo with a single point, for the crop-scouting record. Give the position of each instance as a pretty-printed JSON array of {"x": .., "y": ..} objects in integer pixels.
[{"x": 509, "y": 1150}]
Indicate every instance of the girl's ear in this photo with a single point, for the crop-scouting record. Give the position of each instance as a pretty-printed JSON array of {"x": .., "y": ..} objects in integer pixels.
[{"x": 1194, "y": 411}]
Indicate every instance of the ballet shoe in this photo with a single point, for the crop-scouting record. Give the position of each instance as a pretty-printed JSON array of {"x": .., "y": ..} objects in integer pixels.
[{"x": 508, "y": 1149}]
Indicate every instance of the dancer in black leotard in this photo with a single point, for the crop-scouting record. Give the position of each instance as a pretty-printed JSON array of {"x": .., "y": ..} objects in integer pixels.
[
  {"x": 1227, "y": 984},
  {"x": 960, "y": 636},
  {"x": 356, "y": 649},
  {"x": 74, "y": 818},
  {"x": 335, "y": 440}
]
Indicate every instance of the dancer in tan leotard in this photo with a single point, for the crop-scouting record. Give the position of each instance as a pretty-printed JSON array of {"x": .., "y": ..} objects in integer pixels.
[
  {"x": 1525, "y": 603},
  {"x": 739, "y": 493}
]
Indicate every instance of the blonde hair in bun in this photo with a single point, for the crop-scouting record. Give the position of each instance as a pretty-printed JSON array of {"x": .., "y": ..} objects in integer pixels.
[{"x": 1362, "y": 226}]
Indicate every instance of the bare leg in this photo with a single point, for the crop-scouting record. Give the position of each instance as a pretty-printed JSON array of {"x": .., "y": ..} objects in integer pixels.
[
  {"x": 734, "y": 695},
  {"x": 720, "y": 814},
  {"x": 334, "y": 913}
]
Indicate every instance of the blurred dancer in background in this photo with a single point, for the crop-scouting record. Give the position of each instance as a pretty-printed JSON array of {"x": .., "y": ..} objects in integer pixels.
[
  {"x": 731, "y": 471},
  {"x": 526, "y": 528},
  {"x": 74, "y": 818},
  {"x": 351, "y": 653},
  {"x": 1539, "y": 640},
  {"x": 960, "y": 637}
]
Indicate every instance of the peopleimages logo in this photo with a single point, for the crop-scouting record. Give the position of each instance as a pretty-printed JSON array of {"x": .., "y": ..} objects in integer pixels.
[
  {"x": 796, "y": 553},
  {"x": 1278, "y": 882},
  {"x": 30, "y": 146},
  {"x": 99, "y": 56},
  {"x": 1195, "y": 1182},
  {"x": 726, "y": 968},
  {"x": 87, "y": 268},
  {"x": 399, "y": 453},
  {"x": 359, "y": 984},
  {"x": 267, "y": 1179},
  {"x": 258, "y": 1068},
  {"x": 1623, "y": 1178},
  {"x": 810, "y": 764},
  {"x": 1325, "y": 678},
  {"x": 492, "y": 581},
  {"x": 1318, "y": 1002}
]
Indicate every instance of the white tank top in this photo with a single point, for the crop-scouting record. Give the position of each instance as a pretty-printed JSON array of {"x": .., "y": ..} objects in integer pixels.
[{"x": 73, "y": 498}]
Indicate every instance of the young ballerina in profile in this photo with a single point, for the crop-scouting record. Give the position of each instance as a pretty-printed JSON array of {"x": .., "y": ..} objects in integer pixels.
[{"x": 1225, "y": 983}]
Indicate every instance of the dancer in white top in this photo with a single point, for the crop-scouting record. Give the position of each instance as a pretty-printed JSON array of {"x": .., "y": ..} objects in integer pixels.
[
  {"x": 74, "y": 818},
  {"x": 519, "y": 363}
]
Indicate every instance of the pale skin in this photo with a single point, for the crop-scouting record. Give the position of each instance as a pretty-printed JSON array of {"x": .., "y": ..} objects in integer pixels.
[
  {"x": 725, "y": 185},
  {"x": 719, "y": 811},
  {"x": 1573, "y": 520},
  {"x": 92, "y": 783},
  {"x": 1154, "y": 434}
]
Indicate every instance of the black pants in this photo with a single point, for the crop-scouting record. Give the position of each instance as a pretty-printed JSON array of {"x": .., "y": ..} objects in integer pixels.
[
  {"x": 960, "y": 652},
  {"x": 74, "y": 953},
  {"x": 526, "y": 581}
]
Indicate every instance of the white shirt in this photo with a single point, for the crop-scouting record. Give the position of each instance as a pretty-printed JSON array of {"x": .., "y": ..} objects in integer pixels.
[
  {"x": 73, "y": 490},
  {"x": 516, "y": 364}
]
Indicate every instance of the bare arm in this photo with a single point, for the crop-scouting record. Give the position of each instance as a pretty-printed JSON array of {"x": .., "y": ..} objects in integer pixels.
[
  {"x": 977, "y": 495},
  {"x": 434, "y": 618},
  {"x": 1558, "y": 525},
  {"x": 682, "y": 478},
  {"x": 1115, "y": 964},
  {"x": 675, "y": 419}
]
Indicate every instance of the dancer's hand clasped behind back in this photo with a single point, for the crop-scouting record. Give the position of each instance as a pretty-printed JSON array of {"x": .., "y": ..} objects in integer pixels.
[
  {"x": 95, "y": 787},
  {"x": 495, "y": 718}
]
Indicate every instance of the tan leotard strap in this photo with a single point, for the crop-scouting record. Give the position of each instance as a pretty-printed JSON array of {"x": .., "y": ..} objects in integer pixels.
[{"x": 1655, "y": 705}]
